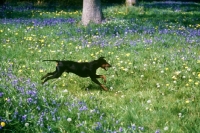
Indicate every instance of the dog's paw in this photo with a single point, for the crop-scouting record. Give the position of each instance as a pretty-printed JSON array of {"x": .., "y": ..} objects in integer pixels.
[{"x": 104, "y": 88}]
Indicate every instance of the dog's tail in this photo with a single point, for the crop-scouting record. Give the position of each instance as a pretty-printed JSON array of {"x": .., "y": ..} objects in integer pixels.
[{"x": 52, "y": 60}]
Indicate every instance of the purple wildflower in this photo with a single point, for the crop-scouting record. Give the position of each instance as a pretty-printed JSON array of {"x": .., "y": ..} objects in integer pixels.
[
  {"x": 83, "y": 108},
  {"x": 121, "y": 129},
  {"x": 24, "y": 117},
  {"x": 29, "y": 100},
  {"x": 157, "y": 131},
  {"x": 99, "y": 125},
  {"x": 1, "y": 94},
  {"x": 31, "y": 93},
  {"x": 141, "y": 128}
]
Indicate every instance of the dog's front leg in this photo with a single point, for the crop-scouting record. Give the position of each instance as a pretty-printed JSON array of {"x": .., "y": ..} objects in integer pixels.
[
  {"x": 97, "y": 82},
  {"x": 101, "y": 76}
]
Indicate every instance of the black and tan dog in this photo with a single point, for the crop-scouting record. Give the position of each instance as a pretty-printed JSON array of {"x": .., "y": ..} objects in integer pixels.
[{"x": 82, "y": 69}]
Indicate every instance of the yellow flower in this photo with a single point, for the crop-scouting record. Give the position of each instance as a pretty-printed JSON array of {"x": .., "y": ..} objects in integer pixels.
[
  {"x": 30, "y": 38},
  {"x": 174, "y": 77},
  {"x": 41, "y": 71},
  {"x": 128, "y": 54},
  {"x": 177, "y": 72},
  {"x": 3, "y": 124},
  {"x": 11, "y": 63},
  {"x": 42, "y": 40},
  {"x": 190, "y": 80},
  {"x": 187, "y": 101},
  {"x": 199, "y": 75}
]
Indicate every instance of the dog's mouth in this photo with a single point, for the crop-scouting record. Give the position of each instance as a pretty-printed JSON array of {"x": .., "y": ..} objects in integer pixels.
[{"x": 105, "y": 67}]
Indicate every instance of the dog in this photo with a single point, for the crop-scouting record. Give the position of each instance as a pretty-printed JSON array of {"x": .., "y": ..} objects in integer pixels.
[{"x": 82, "y": 69}]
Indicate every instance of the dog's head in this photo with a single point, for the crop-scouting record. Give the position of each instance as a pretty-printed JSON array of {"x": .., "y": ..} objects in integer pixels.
[{"x": 103, "y": 63}]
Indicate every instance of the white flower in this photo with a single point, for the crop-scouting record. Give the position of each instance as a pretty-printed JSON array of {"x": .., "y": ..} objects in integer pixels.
[
  {"x": 149, "y": 101},
  {"x": 188, "y": 69},
  {"x": 69, "y": 119},
  {"x": 65, "y": 90},
  {"x": 92, "y": 111},
  {"x": 166, "y": 128},
  {"x": 26, "y": 124},
  {"x": 158, "y": 85},
  {"x": 179, "y": 114}
]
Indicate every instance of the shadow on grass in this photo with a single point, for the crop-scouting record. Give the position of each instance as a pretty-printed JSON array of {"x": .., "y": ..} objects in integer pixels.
[
  {"x": 92, "y": 87},
  {"x": 184, "y": 13},
  {"x": 26, "y": 10},
  {"x": 176, "y": 6}
]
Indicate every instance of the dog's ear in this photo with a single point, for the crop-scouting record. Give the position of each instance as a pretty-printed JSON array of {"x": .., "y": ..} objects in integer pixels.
[{"x": 100, "y": 58}]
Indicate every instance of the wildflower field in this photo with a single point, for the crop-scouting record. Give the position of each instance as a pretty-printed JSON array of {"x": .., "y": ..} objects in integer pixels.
[{"x": 154, "y": 82}]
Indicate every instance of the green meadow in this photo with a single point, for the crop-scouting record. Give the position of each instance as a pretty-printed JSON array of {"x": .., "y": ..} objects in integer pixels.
[{"x": 154, "y": 81}]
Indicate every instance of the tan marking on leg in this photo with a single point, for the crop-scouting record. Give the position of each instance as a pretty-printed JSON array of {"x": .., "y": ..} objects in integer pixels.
[
  {"x": 103, "y": 77},
  {"x": 104, "y": 87}
]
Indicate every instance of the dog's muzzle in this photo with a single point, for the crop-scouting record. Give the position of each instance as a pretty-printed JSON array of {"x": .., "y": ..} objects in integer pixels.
[{"x": 106, "y": 66}]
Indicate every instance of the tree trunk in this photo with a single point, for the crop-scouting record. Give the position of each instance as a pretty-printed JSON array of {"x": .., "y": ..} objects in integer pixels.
[
  {"x": 92, "y": 12},
  {"x": 131, "y": 2}
]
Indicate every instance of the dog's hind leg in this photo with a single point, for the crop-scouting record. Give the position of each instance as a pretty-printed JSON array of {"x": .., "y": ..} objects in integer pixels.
[
  {"x": 56, "y": 75},
  {"x": 48, "y": 74}
]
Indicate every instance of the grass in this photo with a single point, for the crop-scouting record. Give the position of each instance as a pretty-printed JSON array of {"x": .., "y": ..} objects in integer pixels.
[{"x": 153, "y": 84}]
